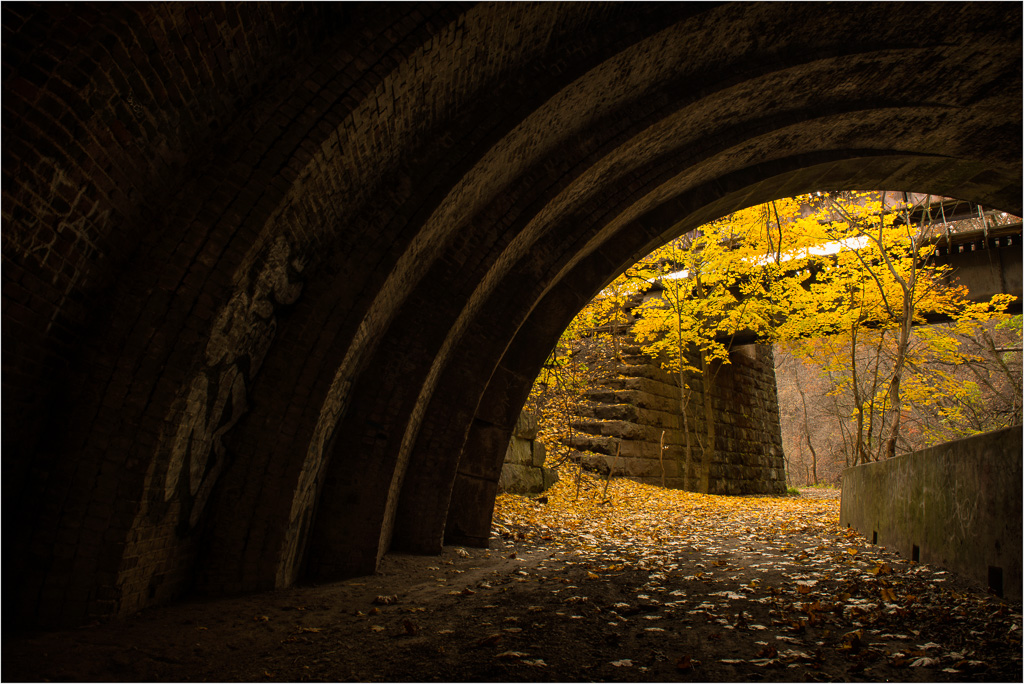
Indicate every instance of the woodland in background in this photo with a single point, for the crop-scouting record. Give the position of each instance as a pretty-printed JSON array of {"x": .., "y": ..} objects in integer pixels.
[
  {"x": 859, "y": 378},
  {"x": 816, "y": 420}
]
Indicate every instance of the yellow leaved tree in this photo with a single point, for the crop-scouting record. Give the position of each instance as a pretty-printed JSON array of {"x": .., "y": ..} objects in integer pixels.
[
  {"x": 845, "y": 279},
  {"x": 867, "y": 304},
  {"x": 714, "y": 282}
]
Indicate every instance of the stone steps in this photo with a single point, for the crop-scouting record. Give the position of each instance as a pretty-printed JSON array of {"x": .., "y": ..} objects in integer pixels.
[
  {"x": 628, "y": 430},
  {"x": 628, "y": 448},
  {"x": 666, "y": 419},
  {"x": 633, "y": 397},
  {"x": 648, "y": 470},
  {"x": 641, "y": 384},
  {"x": 637, "y": 400},
  {"x": 645, "y": 369}
]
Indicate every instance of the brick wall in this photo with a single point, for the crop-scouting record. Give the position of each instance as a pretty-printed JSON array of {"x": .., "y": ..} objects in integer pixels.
[
  {"x": 119, "y": 120},
  {"x": 276, "y": 277}
]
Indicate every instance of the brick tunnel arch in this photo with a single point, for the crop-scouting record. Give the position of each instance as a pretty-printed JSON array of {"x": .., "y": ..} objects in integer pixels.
[{"x": 277, "y": 277}]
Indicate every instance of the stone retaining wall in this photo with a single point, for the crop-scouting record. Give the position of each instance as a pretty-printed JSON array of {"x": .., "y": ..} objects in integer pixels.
[
  {"x": 629, "y": 412},
  {"x": 524, "y": 471}
]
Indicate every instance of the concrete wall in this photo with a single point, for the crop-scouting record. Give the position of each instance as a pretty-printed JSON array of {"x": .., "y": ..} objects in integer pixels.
[{"x": 957, "y": 505}]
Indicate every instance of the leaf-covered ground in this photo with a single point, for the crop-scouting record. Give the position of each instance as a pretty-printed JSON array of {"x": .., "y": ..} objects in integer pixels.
[
  {"x": 774, "y": 587},
  {"x": 642, "y": 585}
]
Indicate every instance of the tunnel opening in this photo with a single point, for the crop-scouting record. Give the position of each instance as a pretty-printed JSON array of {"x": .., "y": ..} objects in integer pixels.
[
  {"x": 612, "y": 418},
  {"x": 614, "y": 395},
  {"x": 277, "y": 279}
]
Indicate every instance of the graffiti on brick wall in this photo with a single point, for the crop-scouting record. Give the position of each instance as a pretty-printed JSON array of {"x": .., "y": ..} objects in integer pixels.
[
  {"x": 37, "y": 230},
  {"x": 51, "y": 217},
  {"x": 134, "y": 106},
  {"x": 215, "y": 399}
]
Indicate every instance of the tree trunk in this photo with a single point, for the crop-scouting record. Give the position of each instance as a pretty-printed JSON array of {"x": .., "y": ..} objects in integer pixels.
[
  {"x": 709, "y": 426},
  {"x": 661, "y": 457},
  {"x": 859, "y": 454},
  {"x": 889, "y": 450},
  {"x": 807, "y": 431}
]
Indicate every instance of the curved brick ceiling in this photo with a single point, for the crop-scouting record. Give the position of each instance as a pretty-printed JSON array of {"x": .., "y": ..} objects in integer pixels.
[{"x": 277, "y": 277}]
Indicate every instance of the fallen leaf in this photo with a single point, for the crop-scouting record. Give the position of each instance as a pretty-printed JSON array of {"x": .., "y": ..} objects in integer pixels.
[
  {"x": 685, "y": 663},
  {"x": 489, "y": 640}
]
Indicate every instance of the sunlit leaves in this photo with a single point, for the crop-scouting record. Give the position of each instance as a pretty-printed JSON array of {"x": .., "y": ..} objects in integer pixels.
[
  {"x": 848, "y": 269},
  {"x": 778, "y": 575}
]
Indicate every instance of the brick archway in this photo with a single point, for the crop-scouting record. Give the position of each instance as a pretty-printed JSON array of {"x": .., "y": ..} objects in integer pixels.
[{"x": 276, "y": 279}]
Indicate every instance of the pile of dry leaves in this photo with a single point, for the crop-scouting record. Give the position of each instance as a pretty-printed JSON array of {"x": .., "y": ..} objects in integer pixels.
[
  {"x": 633, "y": 584},
  {"x": 775, "y": 580}
]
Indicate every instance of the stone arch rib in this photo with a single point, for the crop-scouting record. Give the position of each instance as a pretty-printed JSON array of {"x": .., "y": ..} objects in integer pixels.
[{"x": 333, "y": 257}]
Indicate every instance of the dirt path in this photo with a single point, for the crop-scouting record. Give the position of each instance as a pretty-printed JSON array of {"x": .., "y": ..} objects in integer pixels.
[{"x": 654, "y": 586}]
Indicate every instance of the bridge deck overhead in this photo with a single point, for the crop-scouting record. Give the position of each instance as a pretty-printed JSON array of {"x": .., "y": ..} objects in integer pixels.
[
  {"x": 987, "y": 263},
  {"x": 277, "y": 277}
]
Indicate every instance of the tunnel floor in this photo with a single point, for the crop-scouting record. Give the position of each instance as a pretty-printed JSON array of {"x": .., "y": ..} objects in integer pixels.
[{"x": 643, "y": 584}]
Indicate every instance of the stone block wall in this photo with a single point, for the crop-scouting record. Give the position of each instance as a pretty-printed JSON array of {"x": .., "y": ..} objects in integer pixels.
[
  {"x": 523, "y": 471},
  {"x": 629, "y": 412}
]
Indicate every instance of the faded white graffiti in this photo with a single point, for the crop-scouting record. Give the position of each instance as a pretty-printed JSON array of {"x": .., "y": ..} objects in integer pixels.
[
  {"x": 134, "y": 106},
  {"x": 83, "y": 219},
  {"x": 215, "y": 399},
  {"x": 963, "y": 500},
  {"x": 35, "y": 234}
]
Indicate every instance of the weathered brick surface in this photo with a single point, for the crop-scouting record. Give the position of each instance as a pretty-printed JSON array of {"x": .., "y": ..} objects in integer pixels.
[{"x": 254, "y": 252}]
